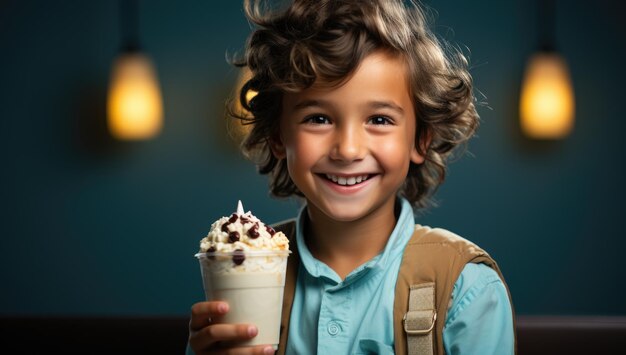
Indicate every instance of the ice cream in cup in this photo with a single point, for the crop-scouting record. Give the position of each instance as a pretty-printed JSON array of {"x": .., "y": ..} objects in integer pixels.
[{"x": 243, "y": 262}]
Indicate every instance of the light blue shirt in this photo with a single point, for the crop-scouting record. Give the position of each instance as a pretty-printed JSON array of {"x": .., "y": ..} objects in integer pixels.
[{"x": 355, "y": 315}]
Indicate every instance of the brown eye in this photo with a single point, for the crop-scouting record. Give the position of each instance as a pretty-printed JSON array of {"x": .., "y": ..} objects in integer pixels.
[
  {"x": 380, "y": 120},
  {"x": 317, "y": 119}
]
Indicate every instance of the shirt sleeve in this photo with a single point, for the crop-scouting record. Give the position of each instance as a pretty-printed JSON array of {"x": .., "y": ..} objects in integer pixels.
[{"x": 480, "y": 318}]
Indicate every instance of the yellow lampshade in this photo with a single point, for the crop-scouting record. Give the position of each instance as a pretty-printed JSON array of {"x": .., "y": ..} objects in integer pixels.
[
  {"x": 134, "y": 106},
  {"x": 547, "y": 98}
]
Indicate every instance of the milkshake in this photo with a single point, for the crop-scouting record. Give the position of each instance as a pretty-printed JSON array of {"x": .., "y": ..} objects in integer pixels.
[{"x": 243, "y": 262}]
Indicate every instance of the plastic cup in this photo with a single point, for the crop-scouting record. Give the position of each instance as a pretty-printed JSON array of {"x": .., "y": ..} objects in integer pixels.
[{"x": 252, "y": 282}]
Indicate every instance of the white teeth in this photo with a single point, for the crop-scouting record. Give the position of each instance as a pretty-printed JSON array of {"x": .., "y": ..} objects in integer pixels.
[{"x": 346, "y": 180}]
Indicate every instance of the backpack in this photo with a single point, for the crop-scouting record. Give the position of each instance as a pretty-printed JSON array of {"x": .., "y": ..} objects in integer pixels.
[{"x": 432, "y": 262}]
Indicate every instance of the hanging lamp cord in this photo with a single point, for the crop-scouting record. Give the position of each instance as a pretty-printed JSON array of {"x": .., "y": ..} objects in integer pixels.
[
  {"x": 546, "y": 25},
  {"x": 129, "y": 25}
]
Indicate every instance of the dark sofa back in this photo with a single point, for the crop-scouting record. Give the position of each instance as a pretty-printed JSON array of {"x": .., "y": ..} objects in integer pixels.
[{"x": 536, "y": 335}]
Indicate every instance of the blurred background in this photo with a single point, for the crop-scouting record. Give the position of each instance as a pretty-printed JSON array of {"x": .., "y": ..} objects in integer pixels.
[{"x": 96, "y": 226}]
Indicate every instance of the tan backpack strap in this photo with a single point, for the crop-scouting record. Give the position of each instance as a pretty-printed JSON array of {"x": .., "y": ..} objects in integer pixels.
[
  {"x": 419, "y": 320},
  {"x": 436, "y": 257}
]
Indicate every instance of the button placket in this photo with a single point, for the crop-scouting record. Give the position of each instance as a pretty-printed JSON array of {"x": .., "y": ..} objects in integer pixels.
[{"x": 334, "y": 320}]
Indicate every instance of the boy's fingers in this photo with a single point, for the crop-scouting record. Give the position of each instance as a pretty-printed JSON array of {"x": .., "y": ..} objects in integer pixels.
[
  {"x": 208, "y": 336},
  {"x": 202, "y": 312},
  {"x": 263, "y": 350}
]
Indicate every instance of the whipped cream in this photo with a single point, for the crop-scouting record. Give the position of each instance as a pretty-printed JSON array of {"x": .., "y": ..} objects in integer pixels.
[{"x": 242, "y": 232}]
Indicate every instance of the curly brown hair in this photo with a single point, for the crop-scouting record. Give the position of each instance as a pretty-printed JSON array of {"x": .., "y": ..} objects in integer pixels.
[{"x": 323, "y": 41}]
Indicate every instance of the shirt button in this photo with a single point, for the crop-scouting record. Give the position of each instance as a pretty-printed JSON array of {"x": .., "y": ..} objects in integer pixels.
[{"x": 333, "y": 328}]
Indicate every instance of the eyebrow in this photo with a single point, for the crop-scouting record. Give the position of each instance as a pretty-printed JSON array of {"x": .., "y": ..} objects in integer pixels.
[
  {"x": 324, "y": 104},
  {"x": 386, "y": 104},
  {"x": 304, "y": 104}
]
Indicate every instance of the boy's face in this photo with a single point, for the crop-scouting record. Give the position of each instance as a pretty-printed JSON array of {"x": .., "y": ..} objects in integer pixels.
[{"x": 348, "y": 148}]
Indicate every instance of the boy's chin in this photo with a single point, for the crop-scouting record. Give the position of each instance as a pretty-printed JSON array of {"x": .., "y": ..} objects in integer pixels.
[
  {"x": 344, "y": 212},
  {"x": 344, "y": 217}
]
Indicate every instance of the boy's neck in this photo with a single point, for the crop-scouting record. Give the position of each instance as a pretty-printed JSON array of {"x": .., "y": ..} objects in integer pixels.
[{"x": 344, "y": 246}]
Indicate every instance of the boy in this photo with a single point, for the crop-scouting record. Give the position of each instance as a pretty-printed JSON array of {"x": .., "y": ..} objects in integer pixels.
[{"x": 357, "y": 110}]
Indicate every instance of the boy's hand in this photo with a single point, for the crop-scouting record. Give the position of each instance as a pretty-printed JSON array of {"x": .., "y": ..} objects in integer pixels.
[{"x": 208, "y": 336}]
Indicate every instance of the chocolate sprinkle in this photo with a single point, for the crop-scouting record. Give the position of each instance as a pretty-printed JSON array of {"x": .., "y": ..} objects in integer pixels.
[
  {"x": 233, "y": 218},
  {"x": 270, "y": 230}
]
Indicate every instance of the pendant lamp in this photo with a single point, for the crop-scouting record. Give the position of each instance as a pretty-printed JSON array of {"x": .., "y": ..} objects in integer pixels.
[
  {"x": 134, "y": 106},
  {"x": 547, "y": 97}
]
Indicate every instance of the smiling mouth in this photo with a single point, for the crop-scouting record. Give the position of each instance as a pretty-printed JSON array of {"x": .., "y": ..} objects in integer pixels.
[{"x": 346, "y": 180}]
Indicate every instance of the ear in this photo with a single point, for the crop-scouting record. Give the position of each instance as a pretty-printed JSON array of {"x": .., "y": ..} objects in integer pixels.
[
  {"x": 423, "y": 142},
  {"x": 277, "y": 147},
  {"x": 416, "y": 157}
]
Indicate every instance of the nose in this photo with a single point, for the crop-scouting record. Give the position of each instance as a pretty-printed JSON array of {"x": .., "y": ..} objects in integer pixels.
[{"x": 350, "y": 144}]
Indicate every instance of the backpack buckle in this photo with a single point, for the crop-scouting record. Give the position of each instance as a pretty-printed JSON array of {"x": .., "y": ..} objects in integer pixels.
[{"x": 419, "y": 322}]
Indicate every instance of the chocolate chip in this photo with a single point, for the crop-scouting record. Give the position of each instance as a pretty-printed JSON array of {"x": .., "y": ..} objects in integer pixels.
[
  {"x": 211, "y": 250},
  {"x": 233, "y": 218},
  {"x": 238, "y": 256},
  {"x": 270, "y": 230},
  {"x": 233, "y": 237},
  {"x": 224, "y": 227},
  {"x": 254, "y": 232}
]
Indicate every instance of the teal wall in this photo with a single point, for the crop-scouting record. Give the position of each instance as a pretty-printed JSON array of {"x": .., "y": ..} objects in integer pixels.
[{"x": 91, "y": 226}]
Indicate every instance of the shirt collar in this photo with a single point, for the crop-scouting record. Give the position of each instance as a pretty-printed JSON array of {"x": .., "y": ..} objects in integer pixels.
[{"x": 402, "y": 232}]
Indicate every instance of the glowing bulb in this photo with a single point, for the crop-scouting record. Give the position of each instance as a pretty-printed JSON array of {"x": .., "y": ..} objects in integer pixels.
[
  {"x": 547, "y": 99},
  {"x": 134, "y": 105}
]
